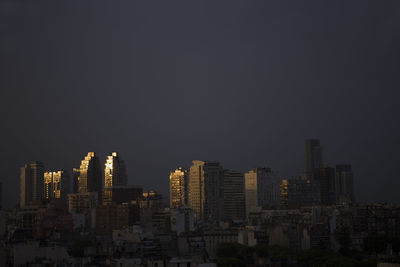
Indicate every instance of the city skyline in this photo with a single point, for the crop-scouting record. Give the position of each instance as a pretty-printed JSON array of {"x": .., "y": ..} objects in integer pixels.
[
  {"x": 199, "y": 133},
  {"x": 260, "y": 185}
]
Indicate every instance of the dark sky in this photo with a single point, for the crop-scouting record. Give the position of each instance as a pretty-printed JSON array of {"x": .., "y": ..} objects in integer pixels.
[{"x": 167, "y": 82}]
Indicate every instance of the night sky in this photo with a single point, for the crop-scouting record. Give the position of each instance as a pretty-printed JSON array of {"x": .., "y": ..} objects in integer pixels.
[{"x": 167, "y": 82}]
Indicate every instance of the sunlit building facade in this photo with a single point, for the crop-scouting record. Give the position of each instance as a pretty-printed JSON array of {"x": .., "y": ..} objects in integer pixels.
[
  {"x": 31, "y": 183},
  {"x": 114, "y": 171},
  {"x": 56, "y": 185},
  {"x": 178, "y": 184},
  {"x": 205, "y": 194},
  {"x": 90, "y": 178}
]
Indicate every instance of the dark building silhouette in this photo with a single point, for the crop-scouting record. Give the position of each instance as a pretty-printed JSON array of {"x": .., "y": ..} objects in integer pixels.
[
  {"x": 344, "y": 184},
  {"x": 31, "y": 183},
  {"x": 313, "y": 155},
  {"x": 299, "y": 192},
  {"x": 75, "y": 180},
  {"x": 326, "y": 180},
  {"x": 121, "y": 194},
  {"x": 233, "y": 195}
]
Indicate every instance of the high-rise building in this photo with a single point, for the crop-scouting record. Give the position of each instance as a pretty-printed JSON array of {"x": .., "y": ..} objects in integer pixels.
[
  {"x": 31, "y": 183},
  {"x": 313, "y": 155},
  {"x": 56, "y": 185},
  {"x": 114, "y": 171},
  {"x": 326, "y": 178},
  {"x": 178, "y": 188},
  {"x": 233, "y": 195},
  {"x": 205, "y": 189},
  {"x": 262, "y": 189},
  {"x": 299, "y": 192},
  {"x": 90, "y": 178},
  {"x": 344, "y": 184}
]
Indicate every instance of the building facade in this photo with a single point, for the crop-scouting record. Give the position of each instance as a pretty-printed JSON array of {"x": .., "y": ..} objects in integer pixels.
[
  {"x": 314, "y": 157},
  {"x": 31, "y": 183},
  {"x": 178, "y": 188},
  {"x": 56, "y": 185},
  {"x": 262, "y": 189},
  {"x": 295, "y": 193},
  {"x": 205, "y": 194},
  {"x": 344, "y": 184},
  {"x": 326, "y": 178},
  {"x": 121, "y": 194},
  {"x": 233, "y": 195},
  {"x": 114, "y": 171},
  {"x": 82, "y": 202},
  {"x": 90, "y": 178}
]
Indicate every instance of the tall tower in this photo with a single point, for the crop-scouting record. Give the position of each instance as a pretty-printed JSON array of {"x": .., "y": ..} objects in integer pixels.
[
  {"x": 326, "y": 180},
  {"x": 178, "y": 185},
  {"x": 313, "y": 155},
  {"x": 233, "y": 195},
  {"x": 31, "y": 183},
  {"x": 90, "y": 178},
  {"x": 114, "y": 177},
  {"x": 205, "y": 194},
  {"x": 56, "y": 185},
  {"x": 344, "y": 184},
  {"x": 262, "y": 189},
  {"x": 114, "y": 171}
]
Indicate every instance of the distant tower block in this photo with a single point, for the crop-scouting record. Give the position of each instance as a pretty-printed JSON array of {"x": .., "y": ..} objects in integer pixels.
[
  {"x": 178, "y": 185},
  {"x": 90, "y": 178},
  {"x": 314, "y": 157}
]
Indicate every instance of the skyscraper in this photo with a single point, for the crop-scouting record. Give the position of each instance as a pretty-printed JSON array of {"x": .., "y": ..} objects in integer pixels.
[
  {"x": 114, "y": 176},
  {"x": 261, "y": 188},
  {"x": 90, "y": 178},
  {"x": 326, "y": 178},
  {"x": 313, "y": 155},
  {"x": 233, "y": 195},
  {"x": 344, "y": 184},
  {"x": 178, "y": 188},
  {"x": 31, "y": 183},
  {"x": 56, "y": 185},
  {"x": 205, "y": 194},
  {"x": 114, "y": 171}
]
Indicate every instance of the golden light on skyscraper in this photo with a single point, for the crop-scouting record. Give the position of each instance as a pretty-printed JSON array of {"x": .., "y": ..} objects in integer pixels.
[{"x": 178, "y": 188}]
